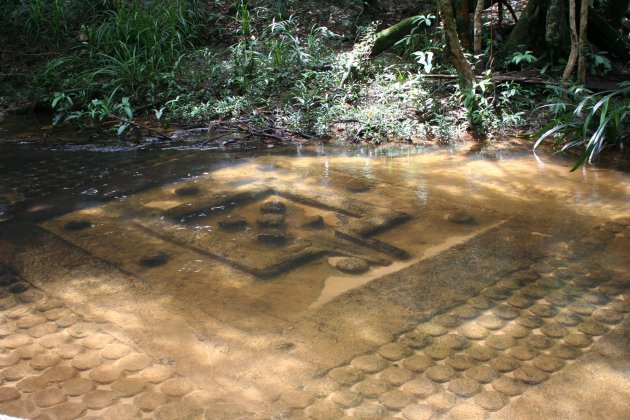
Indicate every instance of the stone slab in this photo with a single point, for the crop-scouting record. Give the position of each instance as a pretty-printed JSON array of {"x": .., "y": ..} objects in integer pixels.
[{"x": 364, "y": 318}]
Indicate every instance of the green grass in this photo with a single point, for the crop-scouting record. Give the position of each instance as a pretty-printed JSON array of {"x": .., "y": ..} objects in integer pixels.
[
  {"x": 51, "y": 25},
  {"x": 110, "y": 49}
]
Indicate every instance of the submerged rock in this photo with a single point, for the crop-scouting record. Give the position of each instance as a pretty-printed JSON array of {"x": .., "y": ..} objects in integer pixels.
[
  {"x": 271, "y": 167},
  {"x": 461, "y": 218},
  {"x": 313, "y": 222},
  {"x": 154, "y": 260},
  {"x": 272, "y": 238},
  {"x": 271, "y": 220},
  {"x": 187, "y": 191},
  {"x": 19, "y": 287},
  {"x": 352, "y": 265},
  {"x": 76, "y": 225},
  {"x": 233, "y": 223},
  {"x": 274, "y": 206},
  {"x": 358, "y": 187},
  {"x": 6, "y": 278}
]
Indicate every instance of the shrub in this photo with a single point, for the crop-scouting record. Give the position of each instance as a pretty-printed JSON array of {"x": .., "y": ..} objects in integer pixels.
[{"x": 599, "y": 120}]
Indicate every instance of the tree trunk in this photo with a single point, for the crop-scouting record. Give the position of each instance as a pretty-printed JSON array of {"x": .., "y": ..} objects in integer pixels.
[
  {"x": 582, "y": 42},
  {"x": 568, "y": 70},
  {"x": 556, "y": 30},
  {"x": 528, "y": 33},
  {"x": 387, "y": 38},
  {"x": 478, "y": 27},
  {"x": 454, "y": 48},
  {"x": 605, "y": 36},
  {"x": 462, "y": 12}
]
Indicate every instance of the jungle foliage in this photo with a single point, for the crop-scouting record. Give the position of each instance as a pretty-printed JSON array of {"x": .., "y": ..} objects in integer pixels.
[{"x": 113, "y": 62}]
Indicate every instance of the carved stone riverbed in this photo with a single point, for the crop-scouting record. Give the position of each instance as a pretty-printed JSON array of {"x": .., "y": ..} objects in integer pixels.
[{"x": 313, "y": 283}]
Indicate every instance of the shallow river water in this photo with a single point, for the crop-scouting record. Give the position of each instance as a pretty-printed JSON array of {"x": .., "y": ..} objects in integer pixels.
[{"x": 312, "y": 281}]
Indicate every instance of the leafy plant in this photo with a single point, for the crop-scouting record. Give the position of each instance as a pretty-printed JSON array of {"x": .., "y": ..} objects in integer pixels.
[
  {"x": 99, "y": 110},
  {"x": 518, "y": 58},
  {"x": 476, "y": 100},
  {"x": 280, "y": 6},
  {"x": 124, "y": 55},
  {"x": 494, "y": 109},
  {"x": 49, "y": 22},
  {"x": 278, "y": 65},
  {"x": 599, "y": 64},
  {"x": 63, "y": 104},
  {"x": 425, "y": 59},
  {"x": 243, "y": 17},
  {"x": 599, "y": 120},
  {"x": 419, "y": 37}
]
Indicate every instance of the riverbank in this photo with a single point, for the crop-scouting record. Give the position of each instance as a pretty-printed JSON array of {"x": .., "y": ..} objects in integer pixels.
[{"x": 253, "y": 75}]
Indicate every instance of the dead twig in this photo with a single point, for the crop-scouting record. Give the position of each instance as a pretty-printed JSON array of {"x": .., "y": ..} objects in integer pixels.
[{"x": 249, "y": 128}]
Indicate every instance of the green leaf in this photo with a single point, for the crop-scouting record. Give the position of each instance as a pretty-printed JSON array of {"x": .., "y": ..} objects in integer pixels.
[
  {"x": 158, "y": 113},
  {"x": 122, "y": 128},
  {"x": 549, "y": 133},
  {"x": 581, "y": 161},
  {"x": 56, "y": 100}
]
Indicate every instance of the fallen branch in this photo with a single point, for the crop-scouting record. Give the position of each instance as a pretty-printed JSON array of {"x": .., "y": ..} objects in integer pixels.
[
  {"x": 247, "y": 128},
  {"x": 30, "y": 54}
]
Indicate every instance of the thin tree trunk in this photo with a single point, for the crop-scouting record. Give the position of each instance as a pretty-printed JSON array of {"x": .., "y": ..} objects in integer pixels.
[
  {"x": 582, "y": 43},
  {"x": 568, "y": 70},
  {"x": 557, "y": 38},
  {"x": 463, "y": 67},
  {"x": 478, "y": 27}
]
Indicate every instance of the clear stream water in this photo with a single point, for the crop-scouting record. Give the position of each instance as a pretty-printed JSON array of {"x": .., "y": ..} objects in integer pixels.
[
  {"x": 242, "y": 247},
  {"x": 135, "y": 190}
]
